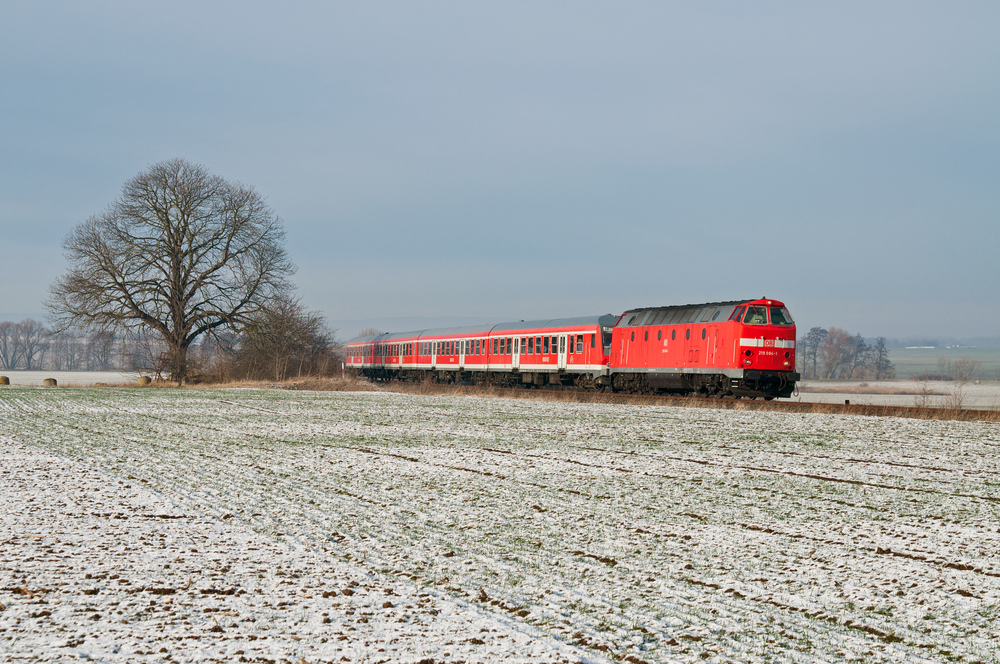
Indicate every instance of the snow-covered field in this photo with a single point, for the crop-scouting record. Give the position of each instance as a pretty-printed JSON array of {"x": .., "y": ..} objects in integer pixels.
[{"x": 573, "y": 530}]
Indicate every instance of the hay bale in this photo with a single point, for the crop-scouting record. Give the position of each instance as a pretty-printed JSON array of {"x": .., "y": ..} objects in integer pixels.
[
  {"x": 4, "y": 380},
  {"x": 49, "y": 382},
  {"x": 144, "y": 380}
]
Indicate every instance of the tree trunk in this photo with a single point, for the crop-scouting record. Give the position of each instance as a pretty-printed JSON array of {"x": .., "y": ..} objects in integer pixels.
[{"x": 178, "y": 364}]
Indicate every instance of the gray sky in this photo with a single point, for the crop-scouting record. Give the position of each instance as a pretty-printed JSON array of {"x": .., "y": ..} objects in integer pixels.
[{"x": 533, "y": 160}]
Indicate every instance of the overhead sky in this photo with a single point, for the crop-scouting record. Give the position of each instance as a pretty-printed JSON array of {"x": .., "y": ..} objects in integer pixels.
[{"x": 472, "y": 161}]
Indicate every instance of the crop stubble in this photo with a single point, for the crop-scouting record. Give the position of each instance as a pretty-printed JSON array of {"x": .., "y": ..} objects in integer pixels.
[{"x": 650, "y": 533}]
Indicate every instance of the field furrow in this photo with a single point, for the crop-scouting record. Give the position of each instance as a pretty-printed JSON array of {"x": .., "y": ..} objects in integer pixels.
[{"x": 656, "y": 533}]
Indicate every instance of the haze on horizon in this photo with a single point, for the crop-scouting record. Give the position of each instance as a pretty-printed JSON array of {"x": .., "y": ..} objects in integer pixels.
[{"x": 444, "y": 160}]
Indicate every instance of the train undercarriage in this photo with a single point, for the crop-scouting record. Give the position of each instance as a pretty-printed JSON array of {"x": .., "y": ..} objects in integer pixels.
[{"x": 752, "y": 384}]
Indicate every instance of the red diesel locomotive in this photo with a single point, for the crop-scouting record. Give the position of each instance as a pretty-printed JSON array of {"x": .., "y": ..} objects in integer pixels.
[{"x": 719, "y": 349}]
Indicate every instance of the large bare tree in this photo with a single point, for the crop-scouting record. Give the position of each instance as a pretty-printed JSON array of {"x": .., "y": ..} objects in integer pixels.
[{"x": 180, "y": 254}]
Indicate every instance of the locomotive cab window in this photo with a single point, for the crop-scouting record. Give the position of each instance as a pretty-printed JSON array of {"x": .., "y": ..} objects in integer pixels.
[
  {"x": 780, "y": 316},
  {"x": 755, "y": 316}
]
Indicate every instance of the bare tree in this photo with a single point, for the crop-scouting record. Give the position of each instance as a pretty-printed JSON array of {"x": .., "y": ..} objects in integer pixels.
[
  {"x": 284, "y": 340},
  {"x": 31, "y": 342},
  {"x": 836, "y": 353},
  {"x": 860, "y": 358},
  {"x": 8, "y": 346},
  {"x": 180, "y": 254},
  {"x": 100, "y": 351},
  {"x": 965, "y": 368},
  {"x": 881, "y": 366},
  {"x": 810, "y": 346},
  {"x": 67, "y": 351}
]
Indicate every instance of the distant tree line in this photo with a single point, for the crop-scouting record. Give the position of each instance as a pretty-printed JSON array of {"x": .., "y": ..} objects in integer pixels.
[
  {"x": 283, "y": 340},
  {"x": 836, "y": 353}
]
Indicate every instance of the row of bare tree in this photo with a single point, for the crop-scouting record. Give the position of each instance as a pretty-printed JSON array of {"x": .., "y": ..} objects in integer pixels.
[
  {"x": 283, "y": 340},
  {"x": 836, "y": 353},
  {"x": 30, "y": 346},
  {"x": 23, "y": 345}
]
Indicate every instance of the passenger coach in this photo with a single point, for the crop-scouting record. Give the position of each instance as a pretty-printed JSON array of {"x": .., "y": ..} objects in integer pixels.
[{"x": 563, "y": 351}]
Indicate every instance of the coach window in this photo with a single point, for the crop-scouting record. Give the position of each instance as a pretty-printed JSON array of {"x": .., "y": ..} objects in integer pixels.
[
  {"x": 524, "y": 346},
  {"x": 553, "y": 344},
  {"x": 570, "y": 349},
  {"x": 593, "y": 340},
  {"x": 545, "y": 345},
  {"x": 538, "y": 345},
  {"x": 531, "y": 345},
  {"x": 579, "y": 344}
]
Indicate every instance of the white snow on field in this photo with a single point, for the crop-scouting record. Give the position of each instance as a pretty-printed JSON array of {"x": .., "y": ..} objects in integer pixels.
[
  {"x": 97, "y": 568},
  {"x": 639, "y": 533}
]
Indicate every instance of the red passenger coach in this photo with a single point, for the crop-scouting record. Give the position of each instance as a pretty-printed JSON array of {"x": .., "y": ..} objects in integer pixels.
[
  {"x": 742, "y": 348},
  {"x": 739, "y": 348},
  {"x": 563, "y": 351}
]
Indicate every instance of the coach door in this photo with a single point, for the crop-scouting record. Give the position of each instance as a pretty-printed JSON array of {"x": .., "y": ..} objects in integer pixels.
[
  {"x": 461, "y": 353},
  {"x": 434, "y": 353},
  {"x": 515, "y": 356},
  {"x": 562, "y": 352}
]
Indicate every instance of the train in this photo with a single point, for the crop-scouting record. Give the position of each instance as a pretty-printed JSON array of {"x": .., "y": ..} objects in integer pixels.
[{"x": 736, "y": 349}]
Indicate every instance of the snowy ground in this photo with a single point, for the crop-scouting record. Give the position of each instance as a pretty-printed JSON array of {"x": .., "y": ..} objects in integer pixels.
[
  {"x": 627, "y": 532},
  {"x": 98, "y": 568}
]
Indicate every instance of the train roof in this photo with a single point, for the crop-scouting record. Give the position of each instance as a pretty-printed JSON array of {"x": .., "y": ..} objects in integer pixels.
[
  {"x": 686, "y": 313},
  {"x": 476, "y": 330}
]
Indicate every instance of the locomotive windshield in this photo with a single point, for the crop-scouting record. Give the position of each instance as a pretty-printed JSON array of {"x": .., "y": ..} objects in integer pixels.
[
  {"x": 780, "y": 316},
  {"x": 755, "y": 316}
]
